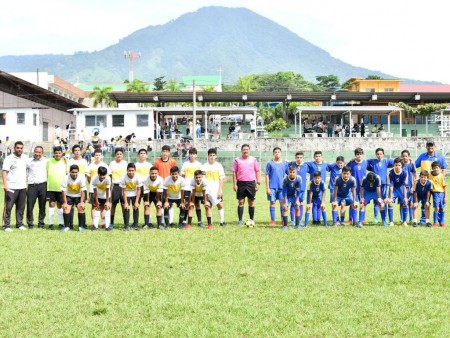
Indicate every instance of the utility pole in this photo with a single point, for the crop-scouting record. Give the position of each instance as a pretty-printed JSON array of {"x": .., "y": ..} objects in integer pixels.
[
  {"x": 131, "y": 56},
  {"x": 220, "y": 70},
  {"x": 194, "y": 114}
]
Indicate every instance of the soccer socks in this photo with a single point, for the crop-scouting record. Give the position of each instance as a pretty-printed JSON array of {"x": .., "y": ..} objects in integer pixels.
[
  {"x": 376, "y": 211},
  {"x": 272, "y": 213},
  {"x": 404, "y": 214},
  {"x": 51, "y": 215},
  {"x": 334, "y": 215},
  {"x": 146, "y": 219},
  {"x": 171, "y": 213},
  {"x": 135, "y": 217},
  {"x": 107, "y": 218},
  {"x": 353, "y": 214},
  {"x": 166, "y": 217},
  {"x": 222, "y": 215},
  {"x": 297, "y": 221},
  {"x": 362, "y": 216},
  {"x": 66, "y": 220},
  {"x": 198, "y": 212},
  {"x": 383, "y": 215},
  {"x": 81, "y": 220},
  {"x": 391, "y": 213},
  {"x": 442, "y": 216},
  {"x": 240, "y": 213},
  {"x": 209, "y": 219},
  {"x": 307, "y": 218},
  {"x": 182, "y": 217},
  {"x": 324, "y": 216},
  {"x": 189, "y": 220},
  {"x": 60, "y": 215},
  {"x": 292, "y": 211},
  {"x": 126, "y": 218},
  {"x": 159, "y": 219},
  {"x": 285, "y": 220},
  {"x": 301, "y": 211},
  {"x": 96, "y": 218},
  {"x": 315, "y": 213},
  {"x": 411, "y": 213},
  {"x": 251, "y": 212}
]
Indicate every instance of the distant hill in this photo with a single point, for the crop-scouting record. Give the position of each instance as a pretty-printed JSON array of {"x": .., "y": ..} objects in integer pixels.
[{"x": 238, "y": 40}]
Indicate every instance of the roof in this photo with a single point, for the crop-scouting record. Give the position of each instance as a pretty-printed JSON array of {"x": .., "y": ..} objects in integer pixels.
[
  {"x": 425, "y": 88},
  {"x": 344, "y": 109},
  {"x": 15, "y": 86}
]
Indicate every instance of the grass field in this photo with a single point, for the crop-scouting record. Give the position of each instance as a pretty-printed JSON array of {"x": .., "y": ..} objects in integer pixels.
[{"x": 229, "y": 281}]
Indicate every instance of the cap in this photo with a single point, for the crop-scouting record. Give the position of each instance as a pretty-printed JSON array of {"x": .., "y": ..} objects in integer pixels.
[{"x": 430, "y": 143}]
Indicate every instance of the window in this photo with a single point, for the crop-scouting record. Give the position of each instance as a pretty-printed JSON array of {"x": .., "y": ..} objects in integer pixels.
[
  {"x": 370, "y": 90},
  {"x": 389, "y": 90},
  {"x": 118, "y": 121},
  {"x": 20, "y": 118},
  {"x": 142, "y": 120},
  {"x": 34, "y": 119},
  {"x": 96, "y": 121}
]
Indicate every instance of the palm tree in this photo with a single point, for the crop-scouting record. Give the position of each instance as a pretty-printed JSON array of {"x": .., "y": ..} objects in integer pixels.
[
  {"x": 173, "y": 85},
  {"x": 101, "y": 97},
  {"x": 245, "y": 84},
  {"x": 137, "y": 86}
]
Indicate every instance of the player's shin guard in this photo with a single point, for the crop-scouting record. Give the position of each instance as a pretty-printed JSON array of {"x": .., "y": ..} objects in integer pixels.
[
  {"x": 72, "y": 215},
  {"x": 146, "y": 219},
  {"x": 301, "y": 211},
  {"x": 315, "y": 213},
  {"x": 442, "y": 216},
  {"x": 135, "y": 217},
  {"x": 96, "y": 218},
  {"x": 411, "y": 213},
  {"x": 297, "y": 221},
  {"x": 436, "y": 216},
  {"x": 272, "y": 213},
  {"x": 183, "y": 214},
  {"x": 353, "y": 216},
  {"x": 285, "y": 220},
  {"x": 159, "y": 219},
  {"x": 251, "y": 212},
  {"x": 166, "y": 217},
  {"x": 240, "y": 213}
]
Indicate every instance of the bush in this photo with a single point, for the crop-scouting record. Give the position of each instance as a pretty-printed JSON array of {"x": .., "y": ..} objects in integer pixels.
[{"x": 278, "y": 124}]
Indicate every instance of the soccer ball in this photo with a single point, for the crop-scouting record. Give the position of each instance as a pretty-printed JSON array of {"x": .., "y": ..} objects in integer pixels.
[{"x": 250, "y": 223}]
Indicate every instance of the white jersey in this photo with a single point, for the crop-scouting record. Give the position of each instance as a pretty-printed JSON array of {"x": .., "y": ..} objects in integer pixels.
[
  {"x": 199, "y": 188},
  {"x": 174, "y": 188},
  {"x": 92, "y": 171},
  {"x": 153, "y": 186},
  {"x": 73, "y": 188},
  {"x": 101, "y": 186},
  {"x": 17, "y": 171},
  {"x": 117, "y": 170},
  {"x": 81, "y": 163},
  {"x": 188, "y": 169},
  {"x": 143, "y": 169},
  {"x": 131, "y": 185},
  {"x": 214, "y": 173}
]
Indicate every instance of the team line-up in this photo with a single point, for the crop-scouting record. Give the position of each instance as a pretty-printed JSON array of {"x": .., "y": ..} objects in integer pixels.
[{"x": 355, "y": 184}]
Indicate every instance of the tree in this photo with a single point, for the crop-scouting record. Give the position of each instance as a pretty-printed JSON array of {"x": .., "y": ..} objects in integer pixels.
[
  {"x": 137, "y": 86},
  {"x": 101, "y": 97},
  {"x": 245, "y": 84},
  {"x": 173, "y": 85},
  {"x": 374, "y": 77},
  {"x": 283, "y": 82},
  {"x": 159, "y": 83},
  {"x": 329, "y": 82}
]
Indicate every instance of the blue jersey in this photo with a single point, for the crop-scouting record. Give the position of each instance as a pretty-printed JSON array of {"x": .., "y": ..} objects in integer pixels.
[
  {"x": 276, "y": 172},
  {"x": 292, "y": 188},
  {"x": 317, "y": 190},
  {"x": 302, "y": 170},
  {"x": 371, "y": 186},
  {"x": 410, "y": 168},
  {"x": 424, "y": 161},
  {"x": 422, "y": 190},
  {"x": 398, "y": 180},
  {"x": 380, "y": 167},
  {"x": 344, "y": 188},
  {"x": 358, "y": 171},
  {"x": 313, "y": 167},
  {"x": 335, "y": 171}
]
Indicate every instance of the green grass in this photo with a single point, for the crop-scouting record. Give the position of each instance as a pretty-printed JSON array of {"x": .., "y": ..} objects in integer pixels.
[{"x": 231, "y": 281}]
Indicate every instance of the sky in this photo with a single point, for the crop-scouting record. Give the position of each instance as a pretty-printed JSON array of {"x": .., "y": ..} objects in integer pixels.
[{"x": 404, "y": 38}]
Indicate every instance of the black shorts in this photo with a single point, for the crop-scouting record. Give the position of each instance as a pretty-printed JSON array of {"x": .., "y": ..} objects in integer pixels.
[
  {"x": 246, "y": 189},
  {"x": 199, "y": 199},
  {"x": 131, "y": 200},
  {"x": 55, "y": 196},
  {"x": 101, "y": 201},
  {"x": 177, "y": 202},
  {"x": 187, "y": 194},
  {"x": 151, "y": 197},
  {"x": 116, "y": 195},
  {"x": 73, "y": 200},
  {"x": 91, "y": 198}
]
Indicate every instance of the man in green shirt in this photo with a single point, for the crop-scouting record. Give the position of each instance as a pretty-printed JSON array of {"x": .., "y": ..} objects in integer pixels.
[{"x": 56, "y": 172}]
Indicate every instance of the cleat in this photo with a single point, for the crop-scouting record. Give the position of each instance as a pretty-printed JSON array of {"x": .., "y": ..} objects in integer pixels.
[
  {"x": 428, "y": 224},
  {"x": 272, "y": 223},
  {"x": 415, "y": 224},
  {"x": 404, "y": 224},
  {"x": 81, "y": 229},
  {"x": 298, "y": 227},
  {"x": 285, "y": 228},
  {"x": 223, "y": 224},
  {"x": 359, "y": 225},
  {"x": 145, "y": 227},
  {"x": 240, "y": 223},
  {"x": 349, "y": 222},
  {"x": 365, "y": 222},
  {"x": 21, "y": 228},
  {"x": 292, "y": 223},
  {"x": 201, "y": 225},
  {"x": 172, "y": 225},
  {"x": 442, "y": 225},
  {"x": 188, "y": 227},
  {"x": 391, "y": 224},
  {"x": 375, "y": 222},
  {"x": 385, "y": 224},
  {"x": 162, "y": 227},
  {"x": 51, "y": 227},
  {"x": 127, "y": 228},
  {"x": 65, "y": 229},
  {"x": 30, "y": 227},
  {"x": 136, "y": 228},
  {"x": 302, "y": 223},
  {"x": 343, "y": 223},
  {"x": 7, "y": 229},
  {"x": 109, "y": 229},
  {"x": 435, "y": 225},
  {"x": 335, "y": 224},
  {"x": 210, "y": 226}
]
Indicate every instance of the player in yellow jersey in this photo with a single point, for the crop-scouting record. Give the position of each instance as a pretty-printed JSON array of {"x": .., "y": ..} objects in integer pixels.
[
  {"x": 117, "y": 168},
  {"x": 73, "y": 190},
  {"x": 215, "y": 175},
  {"x": 56, "y": 172},
  {"x": 439, "y": 193},
  {"x": 131, "y": 192}
]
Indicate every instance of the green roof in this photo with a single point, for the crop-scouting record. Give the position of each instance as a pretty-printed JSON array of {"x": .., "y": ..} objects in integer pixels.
[{"x": 202, "y": 80}]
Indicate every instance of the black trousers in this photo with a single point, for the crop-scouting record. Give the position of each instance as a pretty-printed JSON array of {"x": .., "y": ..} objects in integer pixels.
[
  {"x": 36, "y": 192},
  {"x": 17, "y": 198}
]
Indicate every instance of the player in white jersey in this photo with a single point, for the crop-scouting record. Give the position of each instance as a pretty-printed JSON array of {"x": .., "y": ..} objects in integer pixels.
[
  {"x": 199, "y": 186},
  {"x": 117, "y": 168},
  {"x": 174, "y": 186},
  {"x": 78, "y": 160},
  {"x": 131, "y": 192},
  {"x": 73, "y": 189},
  {"x": 153, "y": 188},
  {"x": 215, "y": 175},
  {"x": 101, "y": 184}
]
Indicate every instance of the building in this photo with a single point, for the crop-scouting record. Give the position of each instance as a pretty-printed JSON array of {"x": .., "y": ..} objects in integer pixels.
[{"x": 357, "y": 84}]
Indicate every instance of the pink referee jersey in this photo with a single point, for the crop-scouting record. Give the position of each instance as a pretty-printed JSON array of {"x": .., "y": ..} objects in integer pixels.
[{"x": 245, "y": 169}]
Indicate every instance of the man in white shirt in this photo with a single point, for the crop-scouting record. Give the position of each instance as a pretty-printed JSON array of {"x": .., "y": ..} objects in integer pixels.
[
  {"x": 37, "y": 186},
  {"x": 15, "y": 185}
]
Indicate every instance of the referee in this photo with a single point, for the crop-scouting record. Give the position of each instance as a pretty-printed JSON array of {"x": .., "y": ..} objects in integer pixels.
[
  {"x": 37, "y": 187},
  {"x": 246, "y": 181}
]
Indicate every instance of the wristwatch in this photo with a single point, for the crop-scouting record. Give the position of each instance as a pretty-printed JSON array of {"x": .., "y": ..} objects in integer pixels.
[{"x": 258, "y": 183}]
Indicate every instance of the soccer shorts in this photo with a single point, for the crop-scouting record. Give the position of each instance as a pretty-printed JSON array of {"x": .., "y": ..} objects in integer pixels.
[
  {"x": 398, "y": 195},
  {"x": 246, "y": 189},
  {"x": 371, "y": 196},
  {"x": 73, "y": 200},
  {"x": 438, "y": 200},
  {"x": 116, "y": 195},
  {"x": 341, "y": 200},
  {"x": 384, "y": 191},
  {"x": 277, "y": 194},
  {"x": 212, "y": 198},
  {"x": 55, "y": 196}
]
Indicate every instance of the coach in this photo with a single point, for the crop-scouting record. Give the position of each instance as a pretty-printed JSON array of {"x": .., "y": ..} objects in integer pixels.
[
  {"x": 424, "y": 160},
  {"x": 37, "y": 187},
  {"x": 246, "y": 181},
  {"x": 14, "y": 176}
]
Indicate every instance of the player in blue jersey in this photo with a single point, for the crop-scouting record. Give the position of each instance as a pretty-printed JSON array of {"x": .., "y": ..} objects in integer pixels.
[
  {"x": 425, "y": 160},
  {"x": 275, "y": 172},
  {"x": 380, "y": 166},
  {"x": 292, "y": 185},
  {"x": 422, "y": 193},
  {"x": 302, "y": 170},
  {"x": 371, "y": 191},
  {"x": 317, "y": 165},
  {"x": 410, "y": 168},
  {"x": 316, "y": 198},
  {"x": 344, "y": 194},
  {"x": 398, "y": 181},
  {"x": 358, "y": 167},
  {"x": 335, "y": 170}
]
